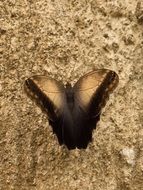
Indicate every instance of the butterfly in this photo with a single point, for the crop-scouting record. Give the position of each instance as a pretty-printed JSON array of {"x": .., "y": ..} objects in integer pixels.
[{"x": 73, "y": 112}]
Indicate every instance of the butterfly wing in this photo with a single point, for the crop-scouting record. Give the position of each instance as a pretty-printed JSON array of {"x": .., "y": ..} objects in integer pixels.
[
  {"x": 93, "y": 89},
  {"x": 91, "y": 92},
  {"x": 45, "y": 88},
  {"x": 51, "y": 94}
]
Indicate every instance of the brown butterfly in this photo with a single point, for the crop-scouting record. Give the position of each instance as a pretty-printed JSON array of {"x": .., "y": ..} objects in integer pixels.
[{"x": 74, "y": 111}]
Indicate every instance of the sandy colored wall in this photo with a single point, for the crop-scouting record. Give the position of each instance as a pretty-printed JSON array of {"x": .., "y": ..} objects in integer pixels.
[{"x": 65, "y": 39}]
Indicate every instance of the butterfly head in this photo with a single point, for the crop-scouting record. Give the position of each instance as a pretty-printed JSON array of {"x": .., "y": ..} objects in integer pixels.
[{"x": 68, "y": 86}]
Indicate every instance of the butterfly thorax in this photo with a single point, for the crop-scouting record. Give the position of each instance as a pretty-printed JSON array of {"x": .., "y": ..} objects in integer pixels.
[{"x": 70, "y": 96}]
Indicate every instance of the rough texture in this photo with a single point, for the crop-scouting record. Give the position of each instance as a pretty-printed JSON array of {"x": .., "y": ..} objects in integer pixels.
[{"x": 65, "y": 39}]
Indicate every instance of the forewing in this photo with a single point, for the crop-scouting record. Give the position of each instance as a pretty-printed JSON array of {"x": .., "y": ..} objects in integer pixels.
[
  {"x": 48, "y": 91},
  {"x": 92, "y": 90}
]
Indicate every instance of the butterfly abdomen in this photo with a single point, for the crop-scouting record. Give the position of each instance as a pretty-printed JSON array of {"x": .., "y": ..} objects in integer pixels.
[{"x": 68, "y": 129}]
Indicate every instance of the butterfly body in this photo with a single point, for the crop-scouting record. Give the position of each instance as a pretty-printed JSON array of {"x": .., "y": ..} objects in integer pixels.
[
  {"x": 70, "y": 98},
  {"x": 73, "y": 112}
]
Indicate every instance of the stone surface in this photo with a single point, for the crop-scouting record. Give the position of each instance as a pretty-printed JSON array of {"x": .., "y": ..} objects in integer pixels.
[{"x": 66, "y": 39}]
